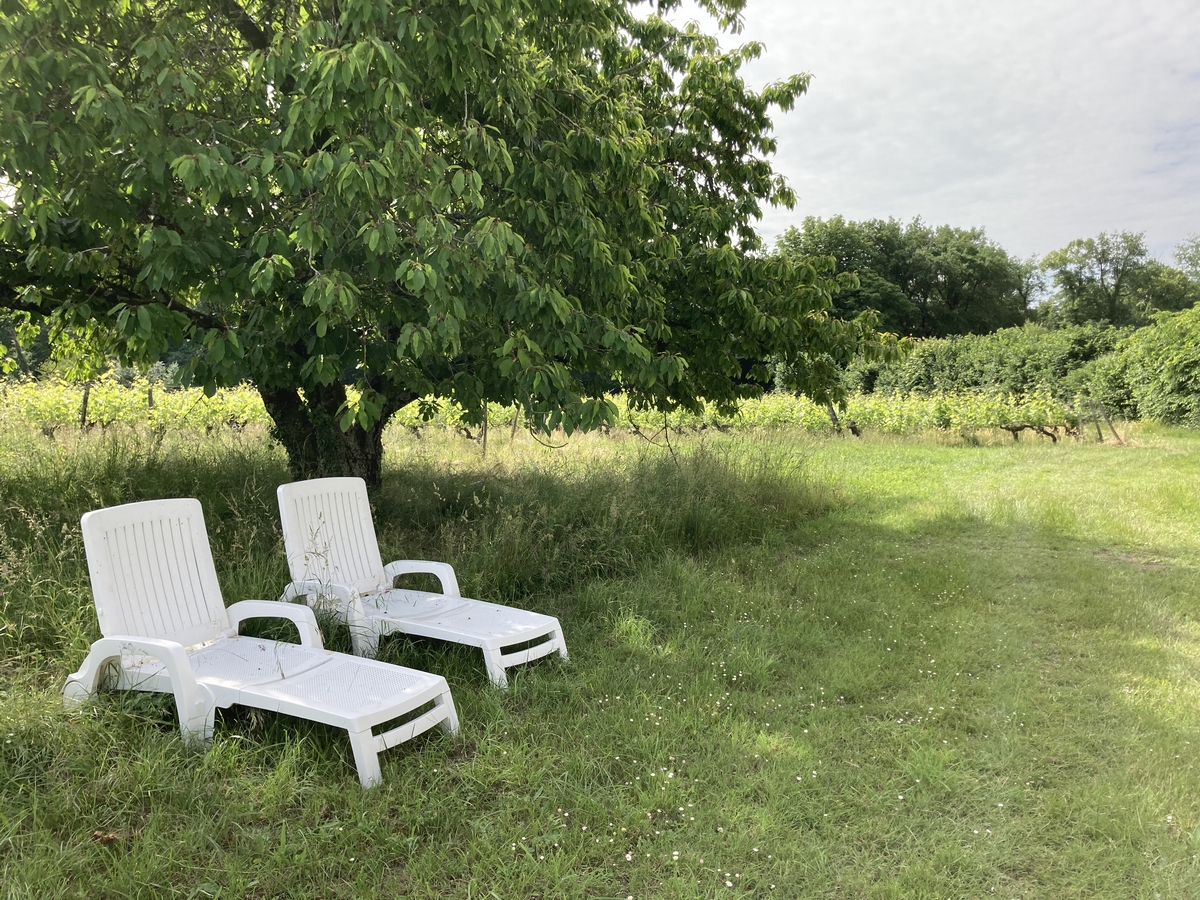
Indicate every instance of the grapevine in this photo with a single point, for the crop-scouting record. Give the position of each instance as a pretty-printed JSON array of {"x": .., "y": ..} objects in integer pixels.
[{"x": 50, "y": 405}]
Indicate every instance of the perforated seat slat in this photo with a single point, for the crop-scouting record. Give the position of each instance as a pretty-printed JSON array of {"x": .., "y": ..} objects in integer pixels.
[
  {"x": 351, "y": 687},
  {"x": 246, "y": 660},
  {"x": 476, "y": 617}
]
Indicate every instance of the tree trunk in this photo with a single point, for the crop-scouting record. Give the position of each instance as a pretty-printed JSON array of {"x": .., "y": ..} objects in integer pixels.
[
  {"x": 22, "y": 362},
  {"x": 309, "y": 430}
]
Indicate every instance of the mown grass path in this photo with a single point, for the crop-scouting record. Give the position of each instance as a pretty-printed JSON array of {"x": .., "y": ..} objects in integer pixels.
[
  {"x": 1046, "y": 606},
  {"x": 800, "y": 668}
]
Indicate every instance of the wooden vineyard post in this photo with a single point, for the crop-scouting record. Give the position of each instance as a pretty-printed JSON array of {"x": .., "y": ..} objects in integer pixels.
[
  {"x": 87, "y": 390},
  {"x": 1104, "y": 412},
  {"x": 833, "y": 417},
  {"x": 1096, "y": 420}
]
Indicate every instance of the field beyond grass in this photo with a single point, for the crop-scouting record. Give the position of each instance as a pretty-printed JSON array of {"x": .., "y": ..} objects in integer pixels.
[{"x": 800, "y": 667}]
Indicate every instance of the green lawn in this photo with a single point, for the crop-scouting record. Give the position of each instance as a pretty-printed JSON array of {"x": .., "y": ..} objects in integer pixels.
[{"x": 799, "y": 667}]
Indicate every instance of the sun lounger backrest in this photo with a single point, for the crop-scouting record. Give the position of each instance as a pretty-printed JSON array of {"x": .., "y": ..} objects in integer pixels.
[
  {"x": 152, "y": 571},
  {"x": 328, "y": 533}
]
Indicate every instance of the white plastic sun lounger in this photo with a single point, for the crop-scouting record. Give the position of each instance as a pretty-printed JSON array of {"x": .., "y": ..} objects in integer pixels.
[
  {"x": 333, "y": 553},
  {"x": 166, "y": 629}
]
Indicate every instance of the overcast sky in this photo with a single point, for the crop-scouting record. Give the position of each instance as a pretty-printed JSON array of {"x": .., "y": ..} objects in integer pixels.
[{"x": 1039, "y": 120}]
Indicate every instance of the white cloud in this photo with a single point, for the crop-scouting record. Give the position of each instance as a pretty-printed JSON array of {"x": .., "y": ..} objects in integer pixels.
[{"x": 1040, "y": 120}]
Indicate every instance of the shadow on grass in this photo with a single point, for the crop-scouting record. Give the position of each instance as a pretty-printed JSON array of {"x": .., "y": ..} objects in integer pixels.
[{"x": 512, "y": 533}]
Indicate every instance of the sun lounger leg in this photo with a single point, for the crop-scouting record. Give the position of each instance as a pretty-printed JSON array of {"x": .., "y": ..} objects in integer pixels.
[
  {"x": 495, "y": 668},
  {"x": 450, "y": 723},
  {"x": 366, "y": 757},
  {"x": 84, "y": 685},
  {"x": 194, "y": 702},
  {"x": 364, "y": 639}
]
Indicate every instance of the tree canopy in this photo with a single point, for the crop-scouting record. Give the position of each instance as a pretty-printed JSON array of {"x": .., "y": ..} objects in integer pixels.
[
  {"x": 1112, "y": 279},
  {"x": 923, "y": 281},
  {"x": 1187, "y": 256},
  {"x": 356, "y": 205}
]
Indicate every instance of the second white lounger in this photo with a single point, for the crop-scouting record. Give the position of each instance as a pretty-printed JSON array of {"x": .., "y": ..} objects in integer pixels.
[{"x": 329, "y": 538}]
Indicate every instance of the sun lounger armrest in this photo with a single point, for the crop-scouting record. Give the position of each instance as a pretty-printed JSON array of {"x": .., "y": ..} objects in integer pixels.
[
  {"x": 444, "y": 572},
  {"x": 302, "y": 616},
  {"x": 193, "y": 701},
  {"x": 171, "y": 654}
]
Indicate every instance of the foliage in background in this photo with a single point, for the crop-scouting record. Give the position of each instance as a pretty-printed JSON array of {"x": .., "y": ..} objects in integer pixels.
[
  {"x": 1111, "y": 279},
  {"x": 51, "y": 405},
  {"x": 938, "y": 282},
  {"x": 499, "y": 200},
  {"x": 923, "y": 281},
  {"x": 1187, "y": 257},
  {"x": 1150, "y": 373},
  {"x": 1160, "y": 369},
  {"x": 1010, "y": 360}
]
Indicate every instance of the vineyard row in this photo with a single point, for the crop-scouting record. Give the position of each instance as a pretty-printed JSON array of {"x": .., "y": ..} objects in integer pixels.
[{"x": 53, "y": 405}]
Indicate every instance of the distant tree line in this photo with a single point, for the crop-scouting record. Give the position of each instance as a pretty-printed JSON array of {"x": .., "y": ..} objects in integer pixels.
[
  {"x": 1098, "y": 318},
  {"x": 934, "y": 282},
  {"x": 922, "y": 281},
  {"x": 1111, "y": 279}
]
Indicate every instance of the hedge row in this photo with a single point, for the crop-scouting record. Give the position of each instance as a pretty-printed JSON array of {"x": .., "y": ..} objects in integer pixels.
[{"x": 1149, "y": 373}]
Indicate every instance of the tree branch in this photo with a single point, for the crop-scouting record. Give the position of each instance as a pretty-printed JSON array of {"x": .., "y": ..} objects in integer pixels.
[
  {"x": 10, "y": 299},
  {"x": 117, "y": 294},
  {"x": 255, "y": 36}
]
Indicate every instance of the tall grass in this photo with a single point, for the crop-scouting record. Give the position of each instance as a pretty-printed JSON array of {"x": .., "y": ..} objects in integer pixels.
[
  {"x": 534, "y": 522},
  {"x": 525, "y": 524}
]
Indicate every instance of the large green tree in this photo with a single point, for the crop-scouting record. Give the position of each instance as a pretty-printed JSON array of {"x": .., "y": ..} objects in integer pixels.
[
  {"x": 353, "y": 205},
  {"x": 923, "y": 281},
  {"x": 1187, "y": 257},
  {"x": 1112, "y": 279}
]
